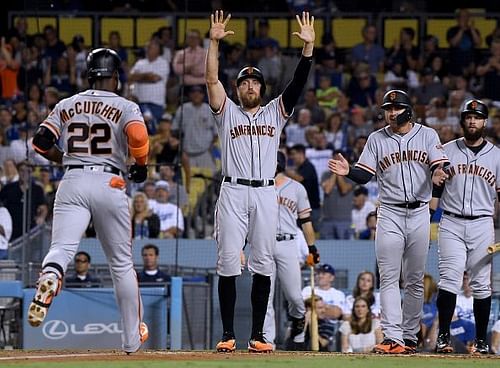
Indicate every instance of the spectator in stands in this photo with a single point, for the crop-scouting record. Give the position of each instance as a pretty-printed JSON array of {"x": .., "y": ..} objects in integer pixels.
[
  {"x": 394, "y": 77},
  {"x": 171, "y": 219},
  {"x": 362, "y": 332},
  {"x": 337, "y": 204},
  {"x": 362, "y": 87},
  {"x": 4, "y": 151},
  {"x": 296, "y": 133},
  {"x": 463, "y": 39},
  {"x": 5, "y": 231},
  {"x": 35, "y": 100},
  {"x": 493, "y": 131},
  {"x": 51, "y": 97},
  {"x": 262, "y": 38},
  {"x": 320, "y": 153},
  {"x": 115, "y": 43},
  {"x": 371, "y": 227},
  {"x": 149, "y": 77},
  {"x": 333, "y": 298},
  {"x": 189, "y": 63},
  {"x": 329, "y": 59},
  {"x": 489, "y": 70},
  {"x": 63, "y": 78},
  {"x": 404, "y": 51},
  {"x": 495, "y": 338},
  {"x": 304, "y": 172},
  {"x": 336, "y": 132},
  {"x": 167, "y": 42},
  {"x": 151, "y": 273},
  {"x": 230, "y": 66},
  {"x": 446, "y": 133},
  {"x": 429, "y": 321},
  {"x": 82, "y": 278},
  {"x": 429, "y": 88},
  {"x": 368, "y": 51},
  {"x": 361, "y": 207},
  {"x": 365, "y": 288},
  {"x": 54, "y": 49},
  {"x": 327, "y": 94},
  {"x": 77, "y": 56},
  {"x": 10, "y": 173},
  {"x": 145, "y": 223},
  {"x": 177, "y": 193},
  {"x": 327, "y": 328},
  {"x": 9, "y": 71},
  {"x": 357, "y": 148},
  {"x": 196, "y": 124},
  {"x": 429, "y": 52},
  {"x": 12, "y": 196},
  {"x": 311, "y": 103},
  {"x": 30, "y": 68},
  {"x": 359, "y": 124},
  {"x": 439, "y": 116}
]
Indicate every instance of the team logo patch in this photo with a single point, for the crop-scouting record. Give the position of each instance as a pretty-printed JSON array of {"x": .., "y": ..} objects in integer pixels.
[
  {"x": 250, "y": 70},
  {"x": 473, "y": 105},
  {"x": 392, "y": 96},
  {"x": 439, "y": 146}
]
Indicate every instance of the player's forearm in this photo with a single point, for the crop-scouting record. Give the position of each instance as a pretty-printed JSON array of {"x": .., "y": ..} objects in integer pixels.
[
  {"x": 54, "y": 154},
  {"x": 212, "y": 64},
  {"x": 307, "y": 49},
  {"x": 308, "y": 230},
  {"x": 359, "y": 175}
]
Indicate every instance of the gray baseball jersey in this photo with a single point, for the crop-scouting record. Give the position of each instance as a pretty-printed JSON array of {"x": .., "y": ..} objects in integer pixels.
[
  {"x": 402, "y": 165},
  {"x": 292, "y": 200},
  {"x": 90, "y": 127},
  {"x": 249, "y": 144},
  {"x": 466, "y": 229}
]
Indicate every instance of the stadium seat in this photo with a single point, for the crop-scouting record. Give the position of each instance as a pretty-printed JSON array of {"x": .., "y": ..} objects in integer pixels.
[
  {"x": 392, "y": 28},
  {"x": 36, "y": 24},
  {"x": 125, "y": 26},
  {"x": 71, "y": 26},
  {"x": 347, "y": 31},
  {"x": 438, "y": 28},
  {"x": 145, "y": 27}
]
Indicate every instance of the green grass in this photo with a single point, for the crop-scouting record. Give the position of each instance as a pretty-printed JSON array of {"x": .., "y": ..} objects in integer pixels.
[{"x": 332, "y": 361}]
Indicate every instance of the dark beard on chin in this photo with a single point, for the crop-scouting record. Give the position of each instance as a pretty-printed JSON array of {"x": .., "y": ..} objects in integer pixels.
[
  {"x": 250, "y": 103},
  {"x": 473, "y": 136}
]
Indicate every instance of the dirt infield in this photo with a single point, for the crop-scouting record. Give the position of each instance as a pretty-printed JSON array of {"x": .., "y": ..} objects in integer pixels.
[{"x": 156, "y": 355}]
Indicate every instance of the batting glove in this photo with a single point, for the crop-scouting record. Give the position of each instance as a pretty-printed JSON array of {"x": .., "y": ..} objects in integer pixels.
[
  {"x": 313, "y": 257},
  {"x": 138, "y": 173}
]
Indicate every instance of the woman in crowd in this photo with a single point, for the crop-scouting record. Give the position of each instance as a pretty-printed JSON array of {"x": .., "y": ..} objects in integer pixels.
[
  {"x": 365, "y": 286},
  {"x": 362, "y": 332},
  {"x": 145, "y": 223}
]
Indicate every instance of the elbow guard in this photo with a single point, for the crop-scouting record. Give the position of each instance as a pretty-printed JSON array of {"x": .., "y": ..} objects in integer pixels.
[
  {"x": 138, "y": 140},
  {"x": 43, "y": 140}
]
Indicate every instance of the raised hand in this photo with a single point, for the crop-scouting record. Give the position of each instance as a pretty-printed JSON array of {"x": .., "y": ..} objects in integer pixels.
[
  {"x": 218, "y": 25},
  {"x": 306, "y": 24},
  {"x": 339, "y": 165}
]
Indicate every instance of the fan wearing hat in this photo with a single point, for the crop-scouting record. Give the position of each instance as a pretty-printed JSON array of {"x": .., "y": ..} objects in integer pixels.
[{"x": 171, "y": 218}]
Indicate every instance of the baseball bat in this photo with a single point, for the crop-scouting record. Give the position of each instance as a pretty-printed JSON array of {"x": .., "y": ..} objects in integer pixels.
[
  {"x": 314, "y": 316},
  {"x": 494, "y": 248}
]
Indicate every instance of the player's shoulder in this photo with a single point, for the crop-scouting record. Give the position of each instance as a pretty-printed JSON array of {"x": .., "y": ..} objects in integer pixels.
[{"x": 453, "y": 143}]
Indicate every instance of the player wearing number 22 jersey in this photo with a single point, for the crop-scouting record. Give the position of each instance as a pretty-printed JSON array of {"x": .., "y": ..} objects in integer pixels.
[{"x": 92, "y": 134}]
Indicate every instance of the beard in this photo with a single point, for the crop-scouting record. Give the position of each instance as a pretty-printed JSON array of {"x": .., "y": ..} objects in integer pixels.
[
  {"x": 250, "y": 101},
  {"x": 474, "y": 135}
]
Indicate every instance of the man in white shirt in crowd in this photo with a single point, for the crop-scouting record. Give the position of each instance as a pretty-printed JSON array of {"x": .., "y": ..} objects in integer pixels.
[
  {"x": 189, "y": 63},
  {"x": 333, "y": 298},
  {"x": 171, "y": 218},
  {"x": 149, "y": 78},
  {"x": 5, "y": 231},
  {"x": 361, "y": 207},
  {"x": 296, "y": 133}
]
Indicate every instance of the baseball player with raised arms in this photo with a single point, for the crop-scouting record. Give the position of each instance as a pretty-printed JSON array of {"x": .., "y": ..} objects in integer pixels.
[
  {"x": 97, "y": 129},
  {"x": 468, "y": 200},
  {"x": 247, "y": 207},
  {"x": 293, "y": 205},
  {"x": 404, "y": 156}
]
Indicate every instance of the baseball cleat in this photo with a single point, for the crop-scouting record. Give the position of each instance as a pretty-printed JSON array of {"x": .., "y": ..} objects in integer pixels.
[
  {"x": 443, "y": 344},
  {"x": 480, "y": 347},
  {"x": 48, "y": 287},
  {"x": 227, "y": 344},
  {"x": 260, "y": 345},
  {"x": 389, "y": 346},
  {"x": 143, "y": 332},
  {"x": 410, "y": 346}
]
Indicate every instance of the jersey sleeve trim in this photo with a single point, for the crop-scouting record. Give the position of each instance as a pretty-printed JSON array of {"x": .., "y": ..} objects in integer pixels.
[
  {"x": 306, "y": 210},
  {"x": 221, "y": 109},
  {"x": 37, "y": 149},
  {"x": 52, "y": 128},
  {"x": 365, "y": 167},
  {"x": 438, "y": 161},
  {"x": 126, "y": 125}
]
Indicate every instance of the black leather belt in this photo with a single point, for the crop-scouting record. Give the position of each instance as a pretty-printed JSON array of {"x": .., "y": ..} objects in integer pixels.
[
  {"x": 282, "y": 237},
  {"x": 451, "y": 214},
  {"x": 106, "y": 168},
  {"x": 409, "y": 205},
  {"x": 250, "y": 182}
]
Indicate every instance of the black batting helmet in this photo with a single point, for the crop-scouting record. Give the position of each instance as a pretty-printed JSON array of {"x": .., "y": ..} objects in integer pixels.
[
  {"x": 102, "y": 63},
  {"x": 396, "y": 97},
  {"x": 251, "y": 72},
  {"x": 477, "y": 107},
  {"x": 281, "y": 162}
]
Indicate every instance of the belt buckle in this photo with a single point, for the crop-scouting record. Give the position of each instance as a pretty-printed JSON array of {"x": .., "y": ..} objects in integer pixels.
[{"x": 255, "y": 183}]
